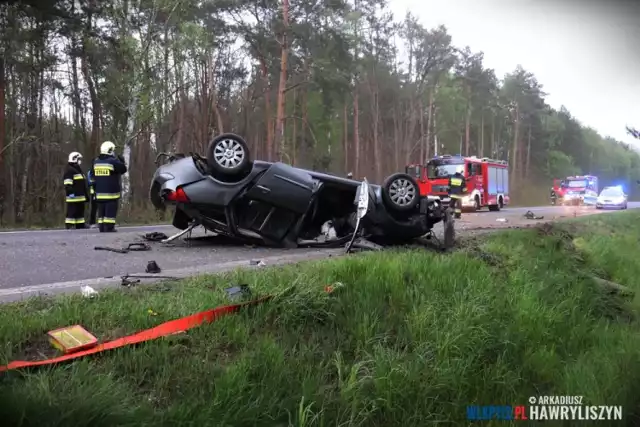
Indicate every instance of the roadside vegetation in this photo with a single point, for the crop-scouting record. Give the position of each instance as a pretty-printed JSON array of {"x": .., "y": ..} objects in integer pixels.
[{"x": 411, "y": 338}]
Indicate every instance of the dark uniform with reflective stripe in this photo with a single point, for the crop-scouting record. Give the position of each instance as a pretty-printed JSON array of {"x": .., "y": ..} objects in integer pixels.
[
  {"x": 106, "y": 172},
  {"x": 92, "y": 197},
  {"x": 75, "y": 186},
  {"x": 457, "y": 190}
]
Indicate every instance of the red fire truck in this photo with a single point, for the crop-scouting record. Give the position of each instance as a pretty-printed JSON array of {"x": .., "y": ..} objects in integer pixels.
[
  {"x": 487, "y": 179},
  {"x": 575, "y": 190}
]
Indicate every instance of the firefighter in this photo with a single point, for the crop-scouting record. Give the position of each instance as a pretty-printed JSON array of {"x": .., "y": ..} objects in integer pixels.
[
  {"x": 457, "y": 190},
  {"x": 92, "y": 199},
  {"x": 106, "y": 172},
  {"x": 75, "y": 186}
]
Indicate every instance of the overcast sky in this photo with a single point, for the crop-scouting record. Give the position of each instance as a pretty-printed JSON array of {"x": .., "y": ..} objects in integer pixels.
[{"x": 585, "y": 53}]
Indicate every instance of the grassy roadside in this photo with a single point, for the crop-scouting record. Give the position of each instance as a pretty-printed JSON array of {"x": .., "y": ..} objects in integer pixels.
[{"x": 411, "y": 339}]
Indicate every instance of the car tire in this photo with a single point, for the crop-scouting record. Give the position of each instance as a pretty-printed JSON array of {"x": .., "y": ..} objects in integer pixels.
[
  {"x": 228, "y": 155},
  {"x": 476, "y": 204},
  {"x": 400, "y": 192}
]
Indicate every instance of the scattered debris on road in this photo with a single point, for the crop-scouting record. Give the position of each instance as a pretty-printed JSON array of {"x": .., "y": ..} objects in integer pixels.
[
  {"x": 88, "y": 292},
  {"x": 257, "y": 262},
  {"x": 137, "y": 247},
  {"x": 155, "y": 236},
  {"x": 531, "y": 215},
  {"x": 129, "y": 283},
  {"x": 502, "y": 220},
  {"x": 153, "y": 267}
]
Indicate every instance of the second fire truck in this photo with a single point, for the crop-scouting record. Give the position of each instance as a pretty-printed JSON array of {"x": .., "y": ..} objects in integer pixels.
[{"x": 487, "y": 180}]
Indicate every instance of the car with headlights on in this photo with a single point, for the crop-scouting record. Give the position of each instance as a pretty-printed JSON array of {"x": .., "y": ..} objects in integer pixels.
[{"x": 612, "y": 198}]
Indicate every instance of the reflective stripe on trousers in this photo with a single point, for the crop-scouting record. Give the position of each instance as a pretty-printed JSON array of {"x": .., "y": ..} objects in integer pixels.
[
  {"x": 76, "y": 199},
  {"x": 74, "y": 221},
  {"x": 107, "y": 196}
]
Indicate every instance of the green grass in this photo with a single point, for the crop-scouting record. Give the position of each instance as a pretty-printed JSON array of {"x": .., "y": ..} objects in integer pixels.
[{"x": 410, "y": 340}]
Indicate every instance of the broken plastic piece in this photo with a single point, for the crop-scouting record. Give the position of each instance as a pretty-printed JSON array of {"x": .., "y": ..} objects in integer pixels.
[
  {"x": 155, "y": 236},
  {"x": 501, "y": 220},
  {"x": 153, "y": 267},
  {"x": 71, "y": 339},
  {"x": 531, "y": 215},
  {"x": 257, "y": 262},
  {"x": 238, "y": 292},
  {"x": 88, "y": 292}
]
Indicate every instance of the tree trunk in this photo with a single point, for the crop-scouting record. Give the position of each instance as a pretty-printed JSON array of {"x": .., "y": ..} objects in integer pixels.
[
  {"x": 95, "y": 101},
  {"x": 528, "y": 153},
  {"x": 294, "y": 135},
  {"x": 345, "y": 138},
  {"x": 356, "y": 132},
  {"x": 467, "y": 122},
  {"x": 284, "y": 51},
  {"x": 516, "y": 128},
  {"x": 267, "y": 109},
  {"x": 2, "y": 127},
  {"x": 482, "y": 134},
  {"x": 422, "y": 134},
  {"x": 429, "y": 122},
  {"x": 494, "y": 143}
]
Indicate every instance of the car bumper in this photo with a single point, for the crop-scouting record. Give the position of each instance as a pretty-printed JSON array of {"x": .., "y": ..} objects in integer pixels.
[{"x": 604, "y": 205}]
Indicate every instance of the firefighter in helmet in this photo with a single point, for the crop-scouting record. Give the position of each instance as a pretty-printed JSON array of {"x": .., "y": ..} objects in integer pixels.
[
  {"x": 457, "y": 190},
  {"x": 75, "y": 186},
  {"x": 106, "y": 172}
]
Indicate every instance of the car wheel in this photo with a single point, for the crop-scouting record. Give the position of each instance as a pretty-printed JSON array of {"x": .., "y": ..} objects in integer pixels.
[
  {"x": 476, "y": 204},
  {"x": 228, "y": 155},
  {"x": 400, "y": 192}
]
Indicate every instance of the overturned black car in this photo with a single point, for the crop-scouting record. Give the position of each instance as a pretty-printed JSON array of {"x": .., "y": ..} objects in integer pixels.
[{"x": 278, "y": 205}]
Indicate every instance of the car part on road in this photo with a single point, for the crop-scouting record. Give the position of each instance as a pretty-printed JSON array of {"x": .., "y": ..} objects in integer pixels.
[
  {"x": 531, "y": 215},
  {"x": 155, "y": 236},
  {"x": 181, "y": 233},
  {"x": 133, "y": 247},
  {"x": 126, "y": 282},
  {"x": 364, "y": 244},
  {"x": 153, "y": 267},
  {"x": 257, "y": 262}
]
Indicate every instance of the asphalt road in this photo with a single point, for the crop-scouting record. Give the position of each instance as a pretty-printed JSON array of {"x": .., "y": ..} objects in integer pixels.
[{"x": 38, "y": 257}]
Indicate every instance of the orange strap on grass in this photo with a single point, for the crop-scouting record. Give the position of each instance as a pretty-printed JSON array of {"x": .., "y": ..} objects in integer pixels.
[{"x": 162, "y": 330}]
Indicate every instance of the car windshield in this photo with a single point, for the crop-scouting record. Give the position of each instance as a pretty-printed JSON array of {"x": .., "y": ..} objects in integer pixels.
[
  {"x": 611, "y": 192},
  {"x": 577, "y": 183},
  {"x": 444, "y": 168}
]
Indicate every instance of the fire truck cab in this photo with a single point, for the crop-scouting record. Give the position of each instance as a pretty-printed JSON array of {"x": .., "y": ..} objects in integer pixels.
[
  {"x": 487, "y": 180},
  {"x": 575, "y": 190}
]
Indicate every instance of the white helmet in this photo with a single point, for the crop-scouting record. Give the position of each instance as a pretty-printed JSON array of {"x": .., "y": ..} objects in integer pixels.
[
  {"x": 75, "y": 157},
  {"x": 107, "y": 147}
]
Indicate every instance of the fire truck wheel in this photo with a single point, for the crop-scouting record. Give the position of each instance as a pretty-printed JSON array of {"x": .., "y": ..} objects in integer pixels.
[
  {"x": 400, "y": 192},
  {"x": 476, "y": 204}
]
